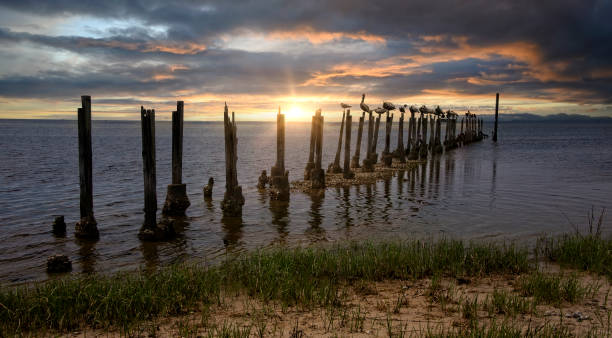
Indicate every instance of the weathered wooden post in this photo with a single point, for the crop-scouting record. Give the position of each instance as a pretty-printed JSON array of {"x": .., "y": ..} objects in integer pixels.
[
  {"x": 86, "y": 227},
  {"x": 176, "y": 198},
  {"x": 423, "y": 148},
  {"x": 409, "y": 144},
  {"x": 414, "y": 130},
  {"x": 355, "y": 160},
  {"x": 374, "y": 145},
  {"x": 432, "y": 132},
  {"x": 317, "y": 175},
  {"x": 386, "y": 156},
  {"x": 438, "y": 148},
  {"x": 368, "y": 164},
  {"x": 496, "y": 115},
  {"x": 279, "y": 177},
  {"x": 233, "y": 200},
  {"x": 335, "y": 166},
  {"x": 347, "y": 172},
  {"x": 310, "y": 164},
  {"x": 400, "y": 152},
  {"x": 150, "y": 229}
]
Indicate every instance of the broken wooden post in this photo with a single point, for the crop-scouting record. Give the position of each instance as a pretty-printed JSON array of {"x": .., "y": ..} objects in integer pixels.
[
  {"x": 335, "y": 166},
  {"x": 310, "y": 163},
  {"x": 355, "y": 159},
  {"x": 279, "y": 177},
  {"x": 208, "y": 189},
  {"x": 368, "y": 164},
  {"x": 317, "y": 175},
  {"x": 432, "y": 132},
  {"x": 150, "y": 229},
  {"x": 423, "y": 148},
  {"x": 176, "y": 198},
  {"x": 413, "y": 136},
  {"x": 86, "y": 227},
  {"x": 233, "y": 200},
  {"x": 386, "y": 156},
  {"x": 496, "y": 115},
  {"x": 373, "y": 153},
  {"x": 400, "y": 152},
  {"x": 347, "y": 172}
]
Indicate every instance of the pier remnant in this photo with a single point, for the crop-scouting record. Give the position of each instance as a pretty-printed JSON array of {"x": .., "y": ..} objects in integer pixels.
[
  {"x": 262, "y": 180},
  {"x": 387, "y": 157},
  {"x": 400, "y": 151},
  {"x": 86, "y": 227},
  {"x": 313, "y": 137},
  {"x": 414, "y": 131},
  {"x": 368, "y": 163},
  {"x": 59, "y": 226},
  {"x": 317, "y": 174},
  {"x": 279, "y": 177},
  {"x": 496, "y": 116},
  {"x": 151, "y": 230},
  {"x": 233, "y": 200},
  {"x": 335, "y": 166},
  {"x": 58, "y": 264},
  {"x": 176, "y": 198},
  {"x": 355, "y": 159},
  {"x": 373, "y": 153},
  {"x": 347, "y": 173}
]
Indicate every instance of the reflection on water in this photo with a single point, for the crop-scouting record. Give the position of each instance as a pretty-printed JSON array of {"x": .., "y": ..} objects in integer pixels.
[{"x": 519, "y": 188}]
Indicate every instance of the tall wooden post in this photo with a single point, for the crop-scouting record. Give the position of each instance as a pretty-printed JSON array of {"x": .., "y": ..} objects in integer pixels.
[
  {"x": 368, "y": 163},
  {"x": 87, "y": 225},
  {"x": 496, "y": 116},
  {"x": 317, "y": 176},
  {"x": 373, "y": 153},
  {"x": 400, "y": 152},
  {"x": 313, "y": 138},
  {"x": 386, "y": 157},
  {"x": 176, "y": 198},
  {"x": 233, "y": 200},
  {"x": 335, "y": 167},
  {"x": 355, "y": 160},
  {"x": 438, "y": 144},
  {"x": 432, "y": 133},
  {"x": 150, "y": 230},
  {"x": 423, "y": 149},
  {"x": 347, "y": 173},
  {"x": 279, "y": 177}
]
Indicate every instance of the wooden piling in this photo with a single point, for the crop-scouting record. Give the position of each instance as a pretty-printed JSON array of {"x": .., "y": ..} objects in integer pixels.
[
  {"x": 233, "y": 200},
  {"x": 496, "y": 116},
  {"x": 347, "y": 172},
  {"x": 424, "y": 146},
  {"x": 368, "y": 164},
  {"x": 317, "y": 175},
  {"x": 310, "y": 164},
  {"x": 373, "y": 153},
  {"x": 87, "y": 225},
  {"x": 401, "y": 151},
  {"x": 355, "y": 160},
  {"x": 409, "y": 144},
  {"x": 176, "y": 198},
  {"x": 335, "y": 166},
  {"x": 386, "y": 157},
  {"x": 279, "y": 177}
]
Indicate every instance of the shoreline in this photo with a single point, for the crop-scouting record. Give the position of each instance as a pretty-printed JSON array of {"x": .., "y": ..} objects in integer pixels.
[{"x": 419, "y": 287}]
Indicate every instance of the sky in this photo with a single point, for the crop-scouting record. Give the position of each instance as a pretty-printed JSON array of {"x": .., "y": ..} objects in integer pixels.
[{"x": 544, "y": 57}]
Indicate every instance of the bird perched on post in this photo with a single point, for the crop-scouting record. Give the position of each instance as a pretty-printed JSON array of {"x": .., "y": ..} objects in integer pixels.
[
  {"x": 345, "y": 106},
  {"x": 364, "y": 106},
  {"x": 380, "y": 111},
  {"x": 388, "y": 106},
  {"x": 413, "y": 109},
  {"x": 425, "y": 110},
  {"x": 403, "y": 108}
]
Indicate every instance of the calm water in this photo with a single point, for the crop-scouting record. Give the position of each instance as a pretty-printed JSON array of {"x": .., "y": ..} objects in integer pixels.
[{"x": 536, "y": 180}]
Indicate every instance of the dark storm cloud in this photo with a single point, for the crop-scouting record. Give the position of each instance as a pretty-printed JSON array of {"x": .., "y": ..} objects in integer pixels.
[{"x": 572, "y": 50}]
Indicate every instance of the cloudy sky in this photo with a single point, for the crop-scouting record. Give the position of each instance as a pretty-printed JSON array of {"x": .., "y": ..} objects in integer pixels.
[{"x": 543, "y": 56}]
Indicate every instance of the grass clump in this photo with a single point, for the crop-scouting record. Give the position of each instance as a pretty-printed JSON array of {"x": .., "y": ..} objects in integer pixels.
[
  {"x": 299, "y": 276},
  {"x": 506, "y": 303},
  {"x": 554, "y": 288}
]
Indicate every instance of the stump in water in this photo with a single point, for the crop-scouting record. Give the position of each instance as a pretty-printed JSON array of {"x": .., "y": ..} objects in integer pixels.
[
  {"x": 496, "y": 115},
  {"x": 373, "y": 153},
  {"x": 423, "y": 147},
  {"x": 58, "y": 264},
  {"x": 387, "y": 157},
  {"x": 279, "y": 177},
  {"x": 347, "y": 173},
  {"x": 59, "y": 226},
  {"x": 233, "y": 200},
  {"x": 208, "y": 189},
  {"x": 368, "y": 164},
  {"x": 262, "y": 180},
  {"x": 438, "y": 144},
  {"x": 335, "y": 166},
  {"x": 310, "y": 163},
  {"x": 415, "y": 139},
  {"x": 151, "y": 230},
  {"x": 86, "y": 227},
  {"x": 355, "y": 159},
  {"x": 176, "y": 198},
  {"x": 400, "y": 152},
  {"x": 317, "y": 174},
  {"x": 432, "y": 132}
]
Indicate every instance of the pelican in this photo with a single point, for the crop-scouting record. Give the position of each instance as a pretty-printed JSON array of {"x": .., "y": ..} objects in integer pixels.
[
  {"x": 439, "y": 111},
  {"x": 425, "y": 110},
  {"x": 388, "y": 106},
  {"x": 401, "y": 108},
  {"x": 380, "y": 110},
  {"x": 413, "y": 109},
  {"x": 345, "y": 106},
  {"x": 364, "y": 106}
]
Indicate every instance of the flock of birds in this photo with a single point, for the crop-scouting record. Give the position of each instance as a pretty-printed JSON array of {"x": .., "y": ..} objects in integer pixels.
[{"x": 388, "y": 106}]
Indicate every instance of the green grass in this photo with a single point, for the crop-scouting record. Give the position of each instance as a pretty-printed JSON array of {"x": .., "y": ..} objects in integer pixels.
[
  {"x": 554, "y": 288},
  {"x": 300, "y": 276},
  {"x": 506, "y": 303}
]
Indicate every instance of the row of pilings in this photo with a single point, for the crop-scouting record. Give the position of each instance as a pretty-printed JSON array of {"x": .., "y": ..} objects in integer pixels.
[{"x": 419, "y": 144}]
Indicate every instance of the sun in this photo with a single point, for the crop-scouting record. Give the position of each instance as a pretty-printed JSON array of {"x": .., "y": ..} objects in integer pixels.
[{"x": 294, "y": 112}]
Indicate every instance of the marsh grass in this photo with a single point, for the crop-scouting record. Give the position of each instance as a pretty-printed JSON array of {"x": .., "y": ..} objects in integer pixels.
[
  {"x": 508, "y": 304},
  {"x": 300, "y": 276},
  {"x": 555, "y": 288}
]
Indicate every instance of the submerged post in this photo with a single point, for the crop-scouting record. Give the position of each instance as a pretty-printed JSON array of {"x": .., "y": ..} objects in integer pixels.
[
  {"x": 317, "y": 175},
  {"x": 150, "y": 230},
  {"x": 347, "y": 173},
  {"x": 355, "y": 160},
  {"x": 233, "y": 200},
  {"x": 335, "y": 167},
  {"x": 176, "y": 198},
  {"x": 496, "y": 115},
  {"x": 86, "y": 227},
  {"x": 279, "y": 177}
]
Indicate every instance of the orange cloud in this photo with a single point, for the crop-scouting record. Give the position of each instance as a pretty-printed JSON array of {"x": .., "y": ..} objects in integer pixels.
[
  {"x": 319, "y": 37},
  {"x": 183, "y": 48}
]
